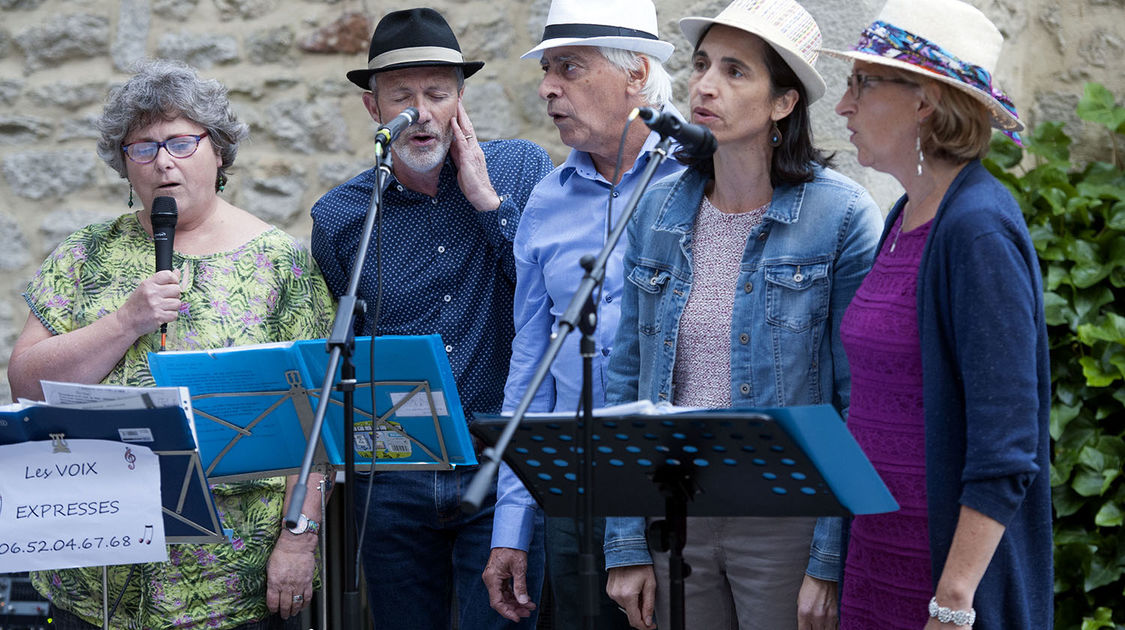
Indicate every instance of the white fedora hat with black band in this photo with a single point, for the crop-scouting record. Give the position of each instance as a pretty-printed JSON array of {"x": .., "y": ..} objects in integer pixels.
[
  {"x": 946, "y": 40},
  {"x": 412, "y": 38},
  {"x": 782, "y": 24},
  {"x": 624, "y": 24}
]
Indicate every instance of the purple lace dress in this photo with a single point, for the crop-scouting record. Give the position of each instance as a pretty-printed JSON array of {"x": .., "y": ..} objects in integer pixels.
[{"x": 887, "y": 582}]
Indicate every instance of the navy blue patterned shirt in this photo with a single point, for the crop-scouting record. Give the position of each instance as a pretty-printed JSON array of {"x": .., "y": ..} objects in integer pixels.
[{"x": 447, "y": 268}]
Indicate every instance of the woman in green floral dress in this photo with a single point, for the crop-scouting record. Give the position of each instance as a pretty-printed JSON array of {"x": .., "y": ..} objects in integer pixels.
[{"x": 96, "y": 306}]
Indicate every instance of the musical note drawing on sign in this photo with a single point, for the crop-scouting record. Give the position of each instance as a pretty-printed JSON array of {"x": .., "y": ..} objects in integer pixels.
[
  {"x": 146, "y": 537},
  {"x": 131, "y": 458}
]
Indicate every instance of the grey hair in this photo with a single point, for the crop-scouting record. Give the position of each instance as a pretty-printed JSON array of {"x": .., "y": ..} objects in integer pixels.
[
  {"x": 657, "y": 90},
  {"x": 458, "y": 72},
  {"x": 162, "y": 88}
]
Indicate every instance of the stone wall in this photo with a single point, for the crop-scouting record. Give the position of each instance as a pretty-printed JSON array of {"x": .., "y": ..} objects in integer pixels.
[{"x": 284, "y": 61}]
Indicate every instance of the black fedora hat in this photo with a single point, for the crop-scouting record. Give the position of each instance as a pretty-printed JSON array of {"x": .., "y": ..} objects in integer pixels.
[{"x": 409, "y": 39}]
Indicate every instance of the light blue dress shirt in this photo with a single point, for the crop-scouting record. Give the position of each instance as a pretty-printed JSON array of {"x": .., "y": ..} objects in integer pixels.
[{"x": 563, "y": 220}]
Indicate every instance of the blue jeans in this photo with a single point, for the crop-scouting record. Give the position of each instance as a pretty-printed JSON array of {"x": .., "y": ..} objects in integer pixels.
[{"x": 419, "y": 546}]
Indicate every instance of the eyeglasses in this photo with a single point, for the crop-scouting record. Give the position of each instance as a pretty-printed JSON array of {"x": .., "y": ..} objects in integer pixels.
[
  {"x": 858, "y": 82},
  {"x": 177, "y": 146}
]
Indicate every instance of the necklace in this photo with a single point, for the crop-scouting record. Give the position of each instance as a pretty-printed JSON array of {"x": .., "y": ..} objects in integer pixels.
[{"x": 898, "y": 233}]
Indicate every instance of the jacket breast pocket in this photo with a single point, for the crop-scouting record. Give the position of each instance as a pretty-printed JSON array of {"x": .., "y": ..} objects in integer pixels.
[
  {"x": 797, "y": 295},
  {"x": 651, "y": 284}
]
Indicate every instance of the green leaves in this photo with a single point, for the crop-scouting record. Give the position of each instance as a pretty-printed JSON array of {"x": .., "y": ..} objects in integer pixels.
[
  {"x": 1076, "y": 218},
  {"x": 1098, "y": 106}
]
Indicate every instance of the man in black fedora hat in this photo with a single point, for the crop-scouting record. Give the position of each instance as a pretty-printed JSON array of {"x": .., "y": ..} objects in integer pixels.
[{"x": 450, "y": 212}]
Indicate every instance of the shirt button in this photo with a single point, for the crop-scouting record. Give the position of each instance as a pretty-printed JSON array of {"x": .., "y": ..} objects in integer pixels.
[
  {"x": 441, "y": 249},
  {"x": 744, "y": 388},
  {"x": 503, "y": 222},
  {"x": 448, "y": 348},
  {"x": 447, "y": 298},
  {"x": 748, "y": 287},
  {"x": 798, "y": 277},
  {"x": 616, "y": 194},
  {"x": 605, "y": 352},
  {"x": 433, "y": 201},
  {"x": 744, "y": 338},
  {"x": 608, "y": 298},
  {"x": 399, "y": 187},
  {"x": 762, "y": 236}
]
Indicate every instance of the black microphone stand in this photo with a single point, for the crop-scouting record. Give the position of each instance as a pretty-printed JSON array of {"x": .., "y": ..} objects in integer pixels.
[
  {"x": 341, "y": 344},
  {"x": 580, "y": 312}
]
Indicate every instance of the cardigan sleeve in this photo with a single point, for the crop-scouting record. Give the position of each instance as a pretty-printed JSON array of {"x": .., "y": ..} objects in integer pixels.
[{"x": 994, "y": 322}]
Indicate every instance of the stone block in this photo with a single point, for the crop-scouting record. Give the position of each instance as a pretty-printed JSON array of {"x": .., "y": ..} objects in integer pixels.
[
  {"x": 22, "y": 5},
  {"x": 73, "y": 36},
  {"x": 486, "y": 32},
  {"x": 269, "y": 45},
  {"x": 490, "y": 110},
  {"x": 67, "y": 95},
  {"x": 133, "y": 19},
  {"x": 15, "y": 253},
  {"x": 1101, "y": 48},
  {"x": 10, "y": 90},
  {"x": 1052, "y": 22},
  {"x": 334, "y": 87},
  {"x": 275, "y": 194},
  {"x": 349, "y": 34},
  {"x": 21, "y": 129},
  {"x": 245, "y": 9},
  {"x": 42, "y": 174},
  {"x": 174, "y": 9},
  {"x": 336, "y": 172},
  {"x": 5, "y": 42},
  {"x": 83, "y": 127},
  {"x": 307, "y": 127},
  {"x": 59, "y": 224},
  {"x": 201, "y": 50}
]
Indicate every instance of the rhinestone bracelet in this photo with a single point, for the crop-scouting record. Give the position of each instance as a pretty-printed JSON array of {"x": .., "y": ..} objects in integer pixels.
[{"x": 956, "y": 617}]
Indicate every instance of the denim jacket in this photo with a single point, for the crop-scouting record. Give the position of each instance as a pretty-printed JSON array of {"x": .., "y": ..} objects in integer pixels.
[{"x": 799, "y": 271}]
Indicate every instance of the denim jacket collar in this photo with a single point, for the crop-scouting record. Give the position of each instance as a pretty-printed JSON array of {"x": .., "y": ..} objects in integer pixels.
[{"x": 678, "y": 217}]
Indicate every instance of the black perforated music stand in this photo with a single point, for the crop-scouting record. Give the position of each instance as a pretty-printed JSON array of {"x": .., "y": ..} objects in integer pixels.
[{"x": 794, "y": 461}]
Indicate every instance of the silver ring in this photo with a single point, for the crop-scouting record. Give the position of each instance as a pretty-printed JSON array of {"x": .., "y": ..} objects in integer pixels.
[
  {"x": 467, "y": 138},
  {"x": 298, "y": 598}
]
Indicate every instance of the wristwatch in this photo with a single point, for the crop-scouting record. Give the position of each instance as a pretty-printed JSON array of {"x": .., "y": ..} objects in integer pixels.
[{"x": 304, "y": 524}]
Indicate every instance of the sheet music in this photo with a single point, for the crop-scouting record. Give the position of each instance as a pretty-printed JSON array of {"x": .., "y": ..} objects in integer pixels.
[{"x": 121, "y": 397}]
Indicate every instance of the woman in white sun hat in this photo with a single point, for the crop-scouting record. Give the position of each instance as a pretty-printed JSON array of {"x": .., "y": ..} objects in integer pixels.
[
  {"x": 946, "y": 340},
  {"x": 737, "y": 274}
]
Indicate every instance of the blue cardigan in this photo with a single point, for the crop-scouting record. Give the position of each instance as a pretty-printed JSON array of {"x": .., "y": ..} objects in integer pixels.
[{"x": 986, "y": 393}]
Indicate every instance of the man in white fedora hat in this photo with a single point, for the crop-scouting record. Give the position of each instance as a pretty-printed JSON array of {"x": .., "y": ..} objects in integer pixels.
[
  {"x": 450, "y": 208},
  {"x": 600, "y": 61}
]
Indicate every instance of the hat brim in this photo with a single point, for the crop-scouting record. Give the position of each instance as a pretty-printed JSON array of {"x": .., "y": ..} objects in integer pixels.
[
  {"x": 693, "y": 29},
  {"x": 660, "y": 50},
  {"x": 362, "y": 77},
  {"x": 1000, "y": 117}
]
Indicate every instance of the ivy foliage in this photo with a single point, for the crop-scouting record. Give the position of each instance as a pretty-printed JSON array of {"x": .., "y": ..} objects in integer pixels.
[{"x": 1076, "y": 216}]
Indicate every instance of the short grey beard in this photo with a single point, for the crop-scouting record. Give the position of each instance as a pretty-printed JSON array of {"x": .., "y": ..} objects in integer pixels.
[{"x": 423, "y": 161}]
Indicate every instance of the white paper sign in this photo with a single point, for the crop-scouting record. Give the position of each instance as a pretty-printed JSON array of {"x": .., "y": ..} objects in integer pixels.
[
  {"x": 98, "y": 504},
  {"x": 419, "y": 405}
]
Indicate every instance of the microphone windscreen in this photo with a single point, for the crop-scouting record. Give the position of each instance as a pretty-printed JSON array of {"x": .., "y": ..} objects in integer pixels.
[{"x": 164, "y": 212}]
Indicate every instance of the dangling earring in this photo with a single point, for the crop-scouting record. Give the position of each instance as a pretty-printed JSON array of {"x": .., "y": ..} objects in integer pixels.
[
  {"x": 775, "y": 136},
  {"x": 221, "y": 183},
  {"x": 130, "y": 195},
  {"x": 918, "y": 147}
]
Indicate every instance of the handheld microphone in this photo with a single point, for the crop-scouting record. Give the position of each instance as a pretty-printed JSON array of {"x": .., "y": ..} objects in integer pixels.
[
  {"x": 389, "y": 132},
  {"x": 163, "y": 217},
  {"x": 696, "y": 141}
]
